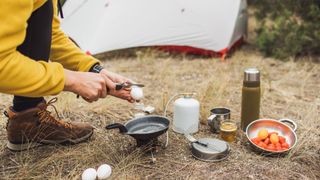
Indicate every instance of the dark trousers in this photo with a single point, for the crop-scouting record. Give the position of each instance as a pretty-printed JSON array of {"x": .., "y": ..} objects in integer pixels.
[{"x": 37, "y": 45}]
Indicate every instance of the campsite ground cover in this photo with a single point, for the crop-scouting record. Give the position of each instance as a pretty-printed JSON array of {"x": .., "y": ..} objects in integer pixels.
[{"x": 289, "y": 89}]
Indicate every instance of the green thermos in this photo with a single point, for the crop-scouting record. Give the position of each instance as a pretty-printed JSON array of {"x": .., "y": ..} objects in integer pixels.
[{"x": 250, "y": 104}]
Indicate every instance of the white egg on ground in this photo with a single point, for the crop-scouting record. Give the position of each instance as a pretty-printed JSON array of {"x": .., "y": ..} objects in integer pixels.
[
  {"x": 136, "y": 93},
  {"x": 104, "y": 171},
  {"x": 89, "y": 174}
]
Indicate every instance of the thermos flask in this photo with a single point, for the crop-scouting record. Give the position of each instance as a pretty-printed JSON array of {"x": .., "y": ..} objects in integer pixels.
[{"x": 250, "y": 104}]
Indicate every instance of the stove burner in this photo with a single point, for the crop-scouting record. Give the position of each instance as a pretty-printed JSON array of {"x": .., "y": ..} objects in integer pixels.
[
  {"x": 148, "y": 142},
  {"x": 150, "y": 145}
]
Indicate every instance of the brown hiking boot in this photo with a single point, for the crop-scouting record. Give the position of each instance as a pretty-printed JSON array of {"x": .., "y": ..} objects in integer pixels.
[{"x": 35, "y": 126}]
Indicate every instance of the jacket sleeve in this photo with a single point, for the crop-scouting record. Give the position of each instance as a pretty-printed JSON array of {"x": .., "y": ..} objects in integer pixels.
[
  {"x": 20, "y": 75},
  {"x": 64, "y": 51}
]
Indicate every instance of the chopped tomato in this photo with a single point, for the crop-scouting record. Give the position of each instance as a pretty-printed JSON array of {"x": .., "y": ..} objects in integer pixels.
[
  {"x": 255, "y": 140},
  {"x": 262, "y": 145},
  {"x": 285, "y": 145},
  {"x": 282, "y": 139},
  {"x": 267, "y": 141},
  {"x": 271, "y": 147}
]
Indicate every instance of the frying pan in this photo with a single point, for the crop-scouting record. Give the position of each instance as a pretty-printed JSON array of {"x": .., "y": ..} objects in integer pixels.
[
  {"x": 143, "y": 129},
  {"x": 273, "y": 125}
]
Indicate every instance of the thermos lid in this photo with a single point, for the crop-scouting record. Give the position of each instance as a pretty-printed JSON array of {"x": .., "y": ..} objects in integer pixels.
[{"x": 251, "y": 74}]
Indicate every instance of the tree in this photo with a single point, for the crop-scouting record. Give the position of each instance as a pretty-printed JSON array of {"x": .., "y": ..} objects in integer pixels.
[{"x": 287, "y": 28}]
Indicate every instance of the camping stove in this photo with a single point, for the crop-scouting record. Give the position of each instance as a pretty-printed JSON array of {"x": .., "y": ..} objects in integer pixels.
[
  {"x": 148, "y": 142},
  {"x": 150, "y": 148}
]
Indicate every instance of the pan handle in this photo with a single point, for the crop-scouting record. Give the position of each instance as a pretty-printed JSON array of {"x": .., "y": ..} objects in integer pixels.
[
  {"x": 293, "y": 125},
  {"x": 121, "y": 127}
]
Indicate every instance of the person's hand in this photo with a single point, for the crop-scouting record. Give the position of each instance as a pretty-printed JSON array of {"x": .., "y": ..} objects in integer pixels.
[
  {"x": 116, "y": 78},
  {"x": 90, "y": 86},
  {"x": 124, "y": 93}
]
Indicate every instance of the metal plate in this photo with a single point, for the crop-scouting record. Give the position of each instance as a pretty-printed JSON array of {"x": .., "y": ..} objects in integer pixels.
[{"x": 217, "y": 150}]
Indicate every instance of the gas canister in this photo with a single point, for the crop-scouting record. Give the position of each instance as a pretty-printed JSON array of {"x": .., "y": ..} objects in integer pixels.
[{"x": 186, "y": 114}]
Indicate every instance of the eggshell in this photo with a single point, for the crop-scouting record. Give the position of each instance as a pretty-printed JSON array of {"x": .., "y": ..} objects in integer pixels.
[{"x": 138, "y": 115}]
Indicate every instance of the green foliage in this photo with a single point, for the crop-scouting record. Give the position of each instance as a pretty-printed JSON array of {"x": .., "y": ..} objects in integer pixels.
[{"x": 287, "y": 28}]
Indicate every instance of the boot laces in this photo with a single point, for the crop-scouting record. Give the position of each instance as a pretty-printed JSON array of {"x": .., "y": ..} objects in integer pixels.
[{"x": 46, "y": 117}]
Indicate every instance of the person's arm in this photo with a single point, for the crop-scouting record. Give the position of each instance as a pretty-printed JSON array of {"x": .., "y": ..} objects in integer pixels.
[
  {"x": 19, "y": 74},
  {"x": 64, "y": 51}
]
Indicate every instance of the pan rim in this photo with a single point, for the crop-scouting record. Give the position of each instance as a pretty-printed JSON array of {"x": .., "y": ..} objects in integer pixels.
[{"x": 145, "y": 117}]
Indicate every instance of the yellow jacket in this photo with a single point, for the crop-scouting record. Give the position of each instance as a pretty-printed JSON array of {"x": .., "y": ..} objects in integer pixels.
[{"x": 20, "y": 75}]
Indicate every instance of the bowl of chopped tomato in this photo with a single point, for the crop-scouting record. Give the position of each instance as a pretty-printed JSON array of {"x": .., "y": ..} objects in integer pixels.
[{"x": 272, "y": 137}]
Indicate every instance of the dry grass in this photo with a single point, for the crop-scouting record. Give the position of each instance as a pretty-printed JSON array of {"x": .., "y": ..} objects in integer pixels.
[{"x": 290, "y": 89}]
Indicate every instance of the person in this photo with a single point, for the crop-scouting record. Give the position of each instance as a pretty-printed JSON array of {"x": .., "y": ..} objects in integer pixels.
[{"x": 37, "y": 59}]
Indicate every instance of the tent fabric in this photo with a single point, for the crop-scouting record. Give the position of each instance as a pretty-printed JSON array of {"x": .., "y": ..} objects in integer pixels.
[{"x": 104, "y": 25}]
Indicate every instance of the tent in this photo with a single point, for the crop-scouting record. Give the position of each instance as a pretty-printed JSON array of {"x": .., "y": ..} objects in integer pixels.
[{"x": 199, "y": 26}]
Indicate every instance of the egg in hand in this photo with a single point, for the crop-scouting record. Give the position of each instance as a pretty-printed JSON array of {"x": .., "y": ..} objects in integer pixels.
[{"x": 136, "y": 93}]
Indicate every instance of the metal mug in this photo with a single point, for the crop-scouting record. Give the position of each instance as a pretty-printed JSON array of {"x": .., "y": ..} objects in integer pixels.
[{"x": 217, "y": 116}]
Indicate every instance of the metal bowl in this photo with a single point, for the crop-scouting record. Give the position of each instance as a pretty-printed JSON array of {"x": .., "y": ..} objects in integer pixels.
[{"x": 273, "y": 125}]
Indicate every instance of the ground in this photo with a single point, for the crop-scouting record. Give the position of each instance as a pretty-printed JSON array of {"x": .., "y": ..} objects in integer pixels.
[{"x": 289, "y": 89}]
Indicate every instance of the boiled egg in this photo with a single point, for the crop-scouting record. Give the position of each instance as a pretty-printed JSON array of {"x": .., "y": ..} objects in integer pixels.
[
  {"x": 136, "y": 93},
  {"x": 104, "y": 171},
  {"x": 89, "y": 174}
]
